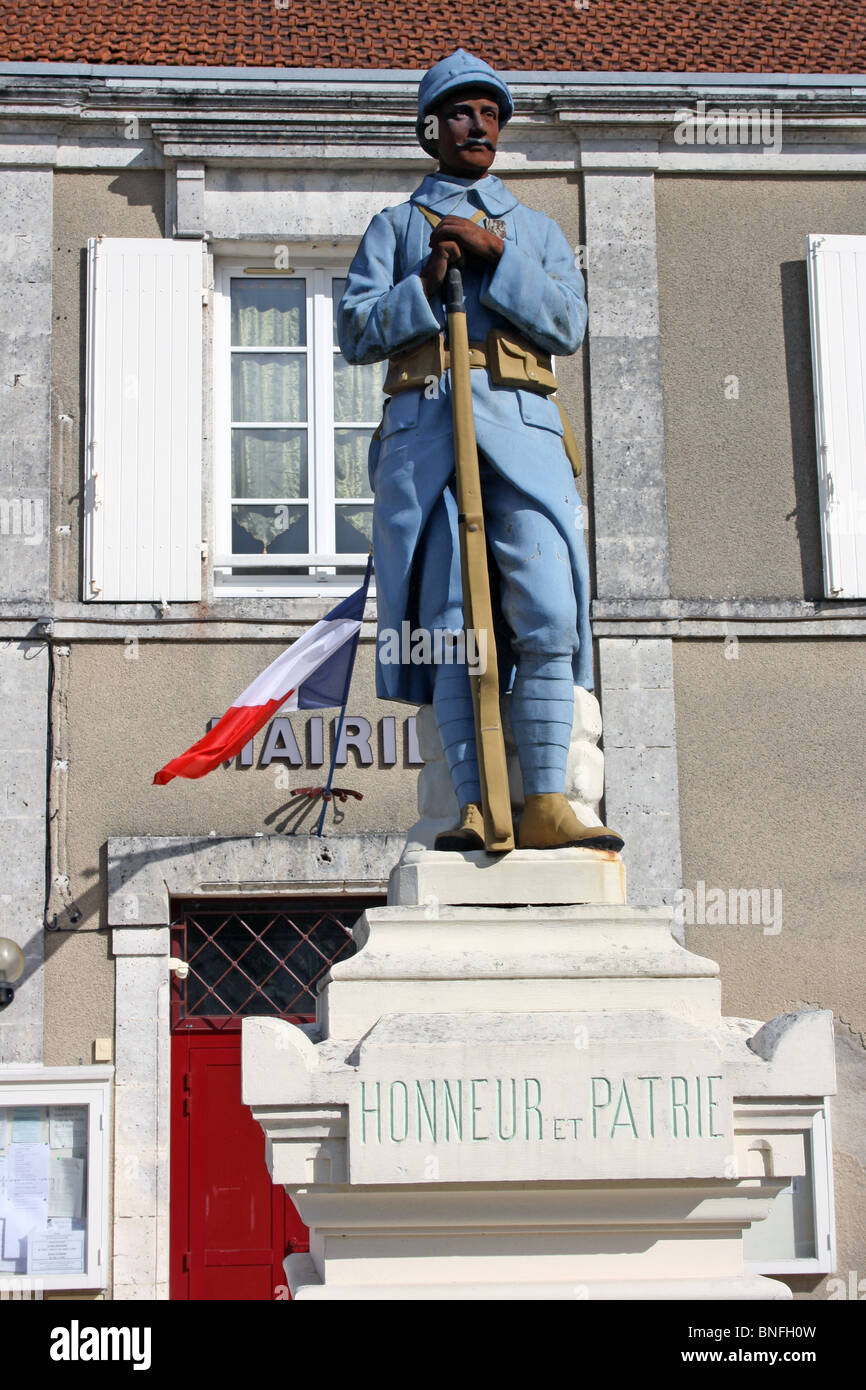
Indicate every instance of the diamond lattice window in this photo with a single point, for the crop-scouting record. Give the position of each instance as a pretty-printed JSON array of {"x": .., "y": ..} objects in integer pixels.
[{"x": 255, "y": 956}]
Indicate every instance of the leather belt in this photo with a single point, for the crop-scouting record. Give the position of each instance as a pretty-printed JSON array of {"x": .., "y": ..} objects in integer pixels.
[{"x": 511, "y": 361}]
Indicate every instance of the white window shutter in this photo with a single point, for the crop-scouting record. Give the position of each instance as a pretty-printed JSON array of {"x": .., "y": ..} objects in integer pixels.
[
  {"x": 837, "y": 312},
  {"x": 142, "y": 528}
]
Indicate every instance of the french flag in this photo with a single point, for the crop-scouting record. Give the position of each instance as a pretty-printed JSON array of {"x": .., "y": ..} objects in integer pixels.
[{"x": 313, "y": 673}]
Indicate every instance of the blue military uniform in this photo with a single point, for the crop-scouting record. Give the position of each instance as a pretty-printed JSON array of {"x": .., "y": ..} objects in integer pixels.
[{"x": 533, "y": 512}]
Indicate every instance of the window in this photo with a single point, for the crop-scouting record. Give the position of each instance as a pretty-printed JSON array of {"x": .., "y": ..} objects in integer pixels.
[
  {"x": 54, "y": 1133},
  {"x": 797, "y": 1237},
  {"x": 293, "y": 420},
  {"x": 258, "y": 956}
]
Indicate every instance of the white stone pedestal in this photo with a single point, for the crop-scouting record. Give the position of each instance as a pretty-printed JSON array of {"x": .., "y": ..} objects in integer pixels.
[{"x": 511, "y": 1102}]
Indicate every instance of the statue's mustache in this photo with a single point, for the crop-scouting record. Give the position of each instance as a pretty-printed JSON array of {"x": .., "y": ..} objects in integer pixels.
[{"x": 473, "y": 144}]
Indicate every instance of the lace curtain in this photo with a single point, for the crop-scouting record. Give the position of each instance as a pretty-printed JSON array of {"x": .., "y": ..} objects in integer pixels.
[{"x": 272, "y": 387}]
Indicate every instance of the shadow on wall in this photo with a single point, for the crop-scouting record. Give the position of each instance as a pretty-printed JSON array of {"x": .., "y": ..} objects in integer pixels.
[
  {"x": 89, "y": 911},
  {"x": 139, "y": 192},
  {"x": 801, "y": 409}
]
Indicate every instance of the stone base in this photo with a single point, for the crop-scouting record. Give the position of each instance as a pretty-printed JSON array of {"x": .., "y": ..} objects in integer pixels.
[
  {"x": 432, "y": 959},
  {"x": 511, "y": 1102},
  {"x": 548, "y": 1241},
  {"x": 523, "y": 878},
  {"x": 305, "y": 1283}
]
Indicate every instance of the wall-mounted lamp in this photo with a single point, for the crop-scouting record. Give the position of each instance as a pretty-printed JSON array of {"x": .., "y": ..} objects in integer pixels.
[{"x": 11, "y": 969}]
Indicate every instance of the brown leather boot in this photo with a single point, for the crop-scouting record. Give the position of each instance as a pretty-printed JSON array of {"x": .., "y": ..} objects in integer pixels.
[
  {"x": 548, "y": 822},
  {"x": 469, "y": 834}
]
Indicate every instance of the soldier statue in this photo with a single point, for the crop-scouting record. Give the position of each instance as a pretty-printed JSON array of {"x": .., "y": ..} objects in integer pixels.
[{"x": 524, "y": 301}]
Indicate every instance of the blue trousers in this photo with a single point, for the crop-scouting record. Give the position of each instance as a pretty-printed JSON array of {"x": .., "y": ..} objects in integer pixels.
[{"x": 536, "y": 595}]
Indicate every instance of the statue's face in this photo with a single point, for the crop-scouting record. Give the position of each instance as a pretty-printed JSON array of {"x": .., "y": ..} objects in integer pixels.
[{"x": 468, "y": 133}]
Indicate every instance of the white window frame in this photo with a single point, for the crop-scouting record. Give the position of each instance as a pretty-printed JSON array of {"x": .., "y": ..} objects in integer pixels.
[
  {"x": 82, "y": 1086},
  {"x": 818, "y": 1140},
  {"x": 325, "y": 576}
]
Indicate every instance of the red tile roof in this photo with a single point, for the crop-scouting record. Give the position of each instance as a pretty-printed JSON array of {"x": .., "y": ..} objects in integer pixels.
[{"x": 626, "y": 35}]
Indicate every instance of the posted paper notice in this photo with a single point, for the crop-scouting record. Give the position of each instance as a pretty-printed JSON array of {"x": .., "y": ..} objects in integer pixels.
[
  {"x": 27, "y": 1124},
  {"x": 56, "y": 1252},
  {"x": 66, "y": 1187},
  {"x": 67, "y": 1126},
  {"x": 26, "y": 1206}
]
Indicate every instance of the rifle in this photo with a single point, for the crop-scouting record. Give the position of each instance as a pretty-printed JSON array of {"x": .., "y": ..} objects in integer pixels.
[{"x": 477, "y": 607}]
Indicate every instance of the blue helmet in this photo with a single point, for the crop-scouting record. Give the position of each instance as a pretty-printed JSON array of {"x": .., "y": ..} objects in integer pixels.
[{"x": 459, "y": 69}]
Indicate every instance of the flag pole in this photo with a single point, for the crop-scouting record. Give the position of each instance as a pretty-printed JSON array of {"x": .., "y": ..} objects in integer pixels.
[{"x": 326, "y": 794}]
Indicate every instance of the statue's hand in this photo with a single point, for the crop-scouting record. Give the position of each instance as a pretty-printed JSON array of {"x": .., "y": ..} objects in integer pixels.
[
  {"x": 443, "y": 254},
  {"x": 472, "y": 239}
]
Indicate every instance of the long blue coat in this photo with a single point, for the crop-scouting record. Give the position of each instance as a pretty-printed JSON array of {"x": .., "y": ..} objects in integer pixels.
[{"x": 536, "y": 288}]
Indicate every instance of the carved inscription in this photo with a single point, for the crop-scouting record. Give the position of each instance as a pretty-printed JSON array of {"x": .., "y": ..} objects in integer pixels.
[{"x": 483, "y": 1109}]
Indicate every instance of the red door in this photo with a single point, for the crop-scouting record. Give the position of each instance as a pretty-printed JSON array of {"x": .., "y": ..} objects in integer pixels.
[{"x": 231, "y": 1227}]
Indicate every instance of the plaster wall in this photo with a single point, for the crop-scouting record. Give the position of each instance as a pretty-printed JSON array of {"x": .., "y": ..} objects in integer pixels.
[
  {"x": 741, "y": 472},
  {"x": 771, "y": 750}
]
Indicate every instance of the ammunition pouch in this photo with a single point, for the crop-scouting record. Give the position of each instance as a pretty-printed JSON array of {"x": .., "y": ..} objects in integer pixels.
[
  {"x": 412, "y": 369},
  {"x": 512, "y": 361}
]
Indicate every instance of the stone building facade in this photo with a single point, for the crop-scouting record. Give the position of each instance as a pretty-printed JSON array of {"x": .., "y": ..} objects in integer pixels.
[{"x": 731, "y": 680}]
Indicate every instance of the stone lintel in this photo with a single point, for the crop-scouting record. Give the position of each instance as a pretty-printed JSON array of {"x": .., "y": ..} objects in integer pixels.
[{"x": 145, "y": 872}]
